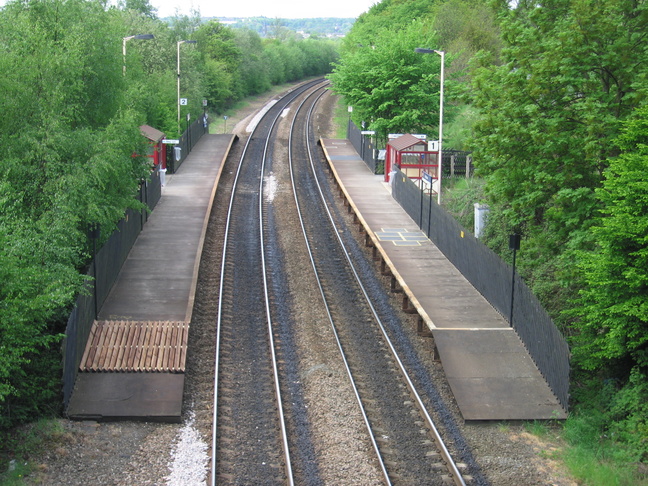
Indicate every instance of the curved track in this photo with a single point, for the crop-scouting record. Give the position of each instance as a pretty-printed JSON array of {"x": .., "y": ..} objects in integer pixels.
[
  {"x": 248, "y": 408},
  {"x": 261, "y": 430},
  {"x": 396, "y": 417}
]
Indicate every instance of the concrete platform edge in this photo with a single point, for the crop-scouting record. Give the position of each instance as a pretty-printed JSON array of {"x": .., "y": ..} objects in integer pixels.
[
  {"x": 194, "y": 282},
  {"x": 392, "y": 268}
]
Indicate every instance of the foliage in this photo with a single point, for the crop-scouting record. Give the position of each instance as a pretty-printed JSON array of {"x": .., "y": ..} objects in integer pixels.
[
  {"x": 460, "y": 195},
  {"x": 464, "y": 28},
  {"x": 67, "y": 162},
  {"x": 607, "y": 431},
  {"x": 239, "y": 63},
  {"x": 389, "y": 85},
  {"x": 21, "y": 444},
  {"x": 548, "y": 115},
  {"x": 76, "y": 87},
  {"x": 613, "y": 307},
  {"x": 548, "y": 143}
]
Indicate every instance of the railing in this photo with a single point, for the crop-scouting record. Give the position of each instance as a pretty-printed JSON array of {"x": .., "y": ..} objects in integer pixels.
[
  {"x": 455, "y": 162},
  {"x": 102, "y": 274},
  {"x": 188, "y": 140},
  {"x": 365, "y": 146},
  {"x": 492, "y": 277}
]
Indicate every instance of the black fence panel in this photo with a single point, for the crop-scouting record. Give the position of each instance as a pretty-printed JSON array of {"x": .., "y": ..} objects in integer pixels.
[
  {"x": 493, "y": 278},
  {"x": 106, "y": 265},
  {"x": 188, "y": 141},
  {"x": 77, "y": 332},
  {"x": 457, "y": 163},
  {"x": 153, "y": 190},
  {"x": 366, "y": 147}
]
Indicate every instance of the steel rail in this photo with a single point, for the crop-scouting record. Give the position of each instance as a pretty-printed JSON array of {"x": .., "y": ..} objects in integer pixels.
[
  {"x": 321, "y": 290},
  {"x": 288, "y": 99},
  {"x": 450, "y": 463}
]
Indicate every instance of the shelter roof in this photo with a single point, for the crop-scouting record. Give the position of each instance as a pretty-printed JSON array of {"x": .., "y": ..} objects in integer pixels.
[
  {"x": 406, "y": 141},
  {"x": 151, "y": 133}
]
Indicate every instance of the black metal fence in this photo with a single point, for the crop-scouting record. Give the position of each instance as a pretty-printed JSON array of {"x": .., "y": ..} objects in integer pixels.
[
  {"x": 457, "y": 163},
  {"x": 188, "y": 140},
  {"x": 492, "y": 277},
  {"x": 102, "y": 274},
  {"x": 366, "y": 147}
]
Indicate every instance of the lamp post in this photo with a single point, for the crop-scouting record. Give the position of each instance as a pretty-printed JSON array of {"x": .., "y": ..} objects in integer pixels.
[
  {"x": 181, "y": 42},
  {"x": 125, "y": 40},
  {"x": 442, "y": 54}
]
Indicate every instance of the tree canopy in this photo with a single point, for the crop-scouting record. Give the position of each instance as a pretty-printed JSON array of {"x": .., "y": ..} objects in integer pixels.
[{"x": 76, "y": 87}]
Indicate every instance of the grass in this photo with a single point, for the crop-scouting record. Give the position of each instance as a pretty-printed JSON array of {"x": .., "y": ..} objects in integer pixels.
[
  {"x": 21, "y": 445},
  {"x": 589, "y": 458},
  {"x": 598, "y": 460},
  {"x": 341, "y": 120}
]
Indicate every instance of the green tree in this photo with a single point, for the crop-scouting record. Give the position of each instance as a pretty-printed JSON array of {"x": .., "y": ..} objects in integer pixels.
[
  {"x": 569, "y": 76},
  {"x": 68, "y": 145},
  {"x": 614, "y": 305},
  {"x": 611, "y": 312},
  {"x": 222, "y": 58},
  {"x": 391, "y": 87}
]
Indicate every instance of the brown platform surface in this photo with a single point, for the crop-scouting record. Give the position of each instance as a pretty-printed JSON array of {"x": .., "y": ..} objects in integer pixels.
[
  {"x": 488, "y": 368},
  {"x": 156, "y": 285},
  {"x": 127, "y": 396}
]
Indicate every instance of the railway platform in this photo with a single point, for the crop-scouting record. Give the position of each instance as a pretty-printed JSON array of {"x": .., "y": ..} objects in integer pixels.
[
  {"x": 489, "y": 370},
  {"x": 133, "y": 365}
]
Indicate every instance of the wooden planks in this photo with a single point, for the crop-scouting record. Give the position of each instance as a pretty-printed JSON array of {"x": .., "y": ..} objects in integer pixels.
[{"x": 153, "y": 346}]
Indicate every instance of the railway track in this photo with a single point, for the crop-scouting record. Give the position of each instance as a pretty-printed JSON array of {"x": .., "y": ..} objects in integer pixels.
[
  {"x": 408, "y": 446},
  {"x": 262, "y": 430},
  {"x": 249, "y": 438}
]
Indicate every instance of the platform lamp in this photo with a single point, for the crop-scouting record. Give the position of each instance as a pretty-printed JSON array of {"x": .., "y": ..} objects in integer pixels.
[
  {"x": 514, "y": 245},
  {"x": 125, "y": 40},
  {"x": 179, "y": 43},
  {"x": 442, "y": 54}
]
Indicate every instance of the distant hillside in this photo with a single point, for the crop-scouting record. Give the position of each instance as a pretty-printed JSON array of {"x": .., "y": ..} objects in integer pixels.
[{"x": 266, "y": 27}]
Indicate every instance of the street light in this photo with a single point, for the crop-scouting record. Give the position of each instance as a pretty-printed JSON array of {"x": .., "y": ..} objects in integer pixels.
[
  {"x": 181, "y": 42},
  {"x": 442, "y": 54},
  {"x": 126, "y": 39}
]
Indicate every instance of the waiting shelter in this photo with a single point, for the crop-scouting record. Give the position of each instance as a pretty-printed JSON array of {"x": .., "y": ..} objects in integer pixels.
[
  {"x": 411, "y": 155},
  {"x": 157, "y": 149}
]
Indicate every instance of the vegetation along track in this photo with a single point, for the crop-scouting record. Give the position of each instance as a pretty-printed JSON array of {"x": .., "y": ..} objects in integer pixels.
[{"x": 326, "y": 439}]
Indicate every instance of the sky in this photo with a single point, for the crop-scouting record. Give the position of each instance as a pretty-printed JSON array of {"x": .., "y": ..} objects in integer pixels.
[{"x": 265, "y": 8}]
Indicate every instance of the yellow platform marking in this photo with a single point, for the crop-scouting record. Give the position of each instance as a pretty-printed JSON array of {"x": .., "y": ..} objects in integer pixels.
[{"x": 401, "y": 236}]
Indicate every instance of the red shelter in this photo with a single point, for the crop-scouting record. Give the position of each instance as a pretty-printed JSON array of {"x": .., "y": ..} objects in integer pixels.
[
  {"x": 157, "y": 150},
  {"x": 410, "y": 154}
]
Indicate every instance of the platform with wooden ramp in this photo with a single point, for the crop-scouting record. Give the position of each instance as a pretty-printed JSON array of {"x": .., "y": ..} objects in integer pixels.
[{"x": 134, "y": 361}]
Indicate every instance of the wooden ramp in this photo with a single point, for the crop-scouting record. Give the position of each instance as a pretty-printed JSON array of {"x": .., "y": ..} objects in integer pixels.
[
  {"x": 157, "y": 346},
  {"x": 132, "y": 370}
]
